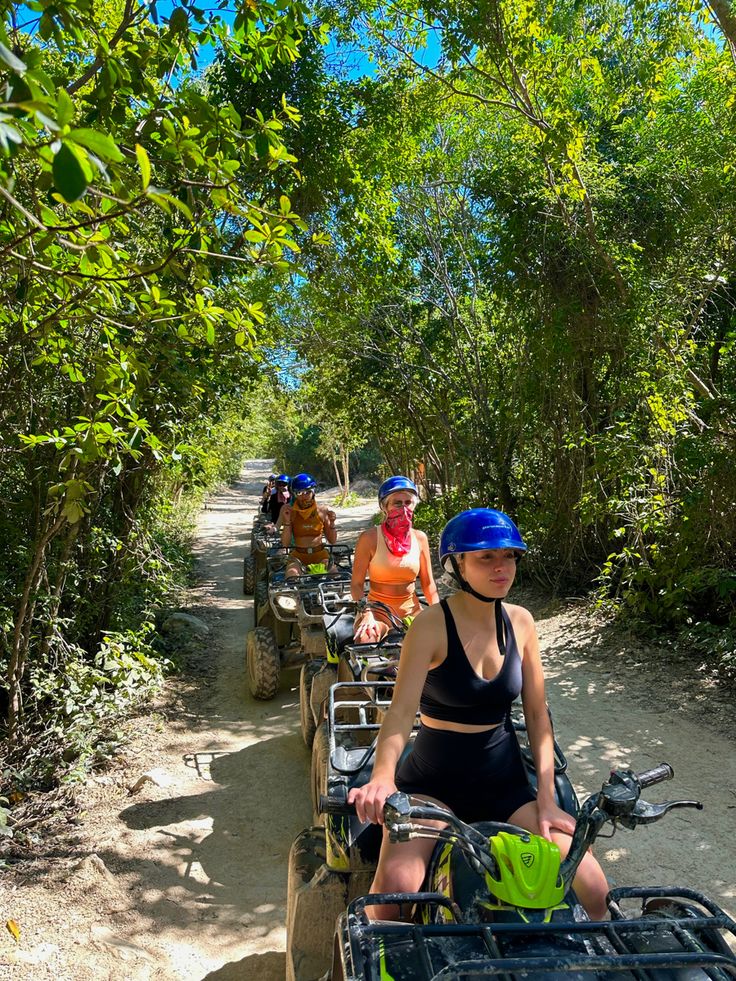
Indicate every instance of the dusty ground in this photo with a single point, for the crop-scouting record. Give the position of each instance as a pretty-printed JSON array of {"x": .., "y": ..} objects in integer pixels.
[{"x": 186, "y": 879}]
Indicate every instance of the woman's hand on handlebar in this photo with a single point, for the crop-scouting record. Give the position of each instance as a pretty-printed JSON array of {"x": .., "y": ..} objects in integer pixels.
[
  {"x": 370, "y": 798},
  {"x": 367, "y": 630}
]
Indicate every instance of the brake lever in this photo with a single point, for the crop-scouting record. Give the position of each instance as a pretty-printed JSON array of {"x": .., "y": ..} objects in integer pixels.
[{"x": 646, "y": 813}]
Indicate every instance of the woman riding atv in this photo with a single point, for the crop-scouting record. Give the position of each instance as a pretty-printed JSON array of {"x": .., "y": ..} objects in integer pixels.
[
  {"x": 462, "y": 665},
  {"x": 278, "y": 498},
  {"x": 393, "y": 554},
  {"x": 306, "y": 522}
]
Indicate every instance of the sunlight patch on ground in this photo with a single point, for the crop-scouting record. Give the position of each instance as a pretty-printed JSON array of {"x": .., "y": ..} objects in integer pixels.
[
  {"x": 581, "y": 743},
  {"x": 568, "y": 687},
  {"x": 614, "y": 855},
  {"x": 195, "y": 873}
]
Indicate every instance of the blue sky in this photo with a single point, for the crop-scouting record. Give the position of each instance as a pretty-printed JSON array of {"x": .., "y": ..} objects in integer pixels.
[{"x": 360, "y": 63}]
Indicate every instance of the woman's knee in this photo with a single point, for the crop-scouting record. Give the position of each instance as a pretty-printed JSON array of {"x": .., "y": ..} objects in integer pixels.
[
  {"x": 526, "y": 817},
  {"x": 399, "y": 877},
  {"x": 401, "y": 868}
]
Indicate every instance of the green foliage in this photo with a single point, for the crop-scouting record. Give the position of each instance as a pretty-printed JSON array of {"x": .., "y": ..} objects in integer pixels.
[
  {"x": 349, "y": 500},
  {"x": 299, "y": 452},
  {"x": 530, "y": 302},
  {"x": 79, "y": 705},
  {"x": 714, "y": 645},
  {"x": 145, "y": 232},
  {"x": 432, "y": 516}
]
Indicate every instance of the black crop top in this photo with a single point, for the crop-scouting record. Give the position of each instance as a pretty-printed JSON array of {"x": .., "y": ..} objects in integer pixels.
[{"x": 453, "y": 692}]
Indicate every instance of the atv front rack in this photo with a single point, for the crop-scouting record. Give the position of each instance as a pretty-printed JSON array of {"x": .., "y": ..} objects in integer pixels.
[
  {"x": 641, "y": 947},
  {"x": 355, "y": 712},
  {"x": 267, "y": 541},
  {"x": 379, "y": 660},
  {"x": 298, "y": 597}
]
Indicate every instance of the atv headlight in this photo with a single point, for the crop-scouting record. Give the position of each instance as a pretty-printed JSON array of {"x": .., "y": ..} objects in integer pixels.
[{"x": 287, "y": 603}]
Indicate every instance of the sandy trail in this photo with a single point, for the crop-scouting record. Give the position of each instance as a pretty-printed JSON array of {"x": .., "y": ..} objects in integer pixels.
[{"x": 193, "y": 884}]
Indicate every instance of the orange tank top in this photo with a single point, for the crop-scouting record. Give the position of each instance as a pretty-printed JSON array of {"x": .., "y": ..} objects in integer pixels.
[
  {"x": 387, "y": 571},
  {"x": 306, "y": 523}
]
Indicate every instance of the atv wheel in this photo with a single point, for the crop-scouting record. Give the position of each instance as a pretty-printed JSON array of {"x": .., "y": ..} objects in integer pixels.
[
  {"x": 249, "y": 575},
  {"x": 263, "y": 663},
  {"x": 311, "y": 909},
  {"x": 260, "y": 600},
  {"x": 319, "y": 692},
  {"x": 306, "y": 716},
  {"x": 320, "y": 762}
]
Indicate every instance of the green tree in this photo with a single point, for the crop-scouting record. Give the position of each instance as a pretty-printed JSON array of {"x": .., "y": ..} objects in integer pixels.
[{"x": 142, "y": 233}]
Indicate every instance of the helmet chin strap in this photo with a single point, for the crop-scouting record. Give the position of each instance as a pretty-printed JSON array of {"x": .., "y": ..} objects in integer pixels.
[{"x": 467, "y": 588}]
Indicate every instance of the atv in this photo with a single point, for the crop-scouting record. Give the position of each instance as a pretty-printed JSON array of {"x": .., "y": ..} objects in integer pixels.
[
  {"x": 344, "y": 660},
  {"x": 263, "y": 539},
  {"x": 288, "y": 617},
  {"x": 333, "y": 864},
  {"x": 498, "y": 902}
]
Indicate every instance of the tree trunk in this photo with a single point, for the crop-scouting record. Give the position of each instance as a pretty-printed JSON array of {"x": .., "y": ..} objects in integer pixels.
[
  {"x": 21, "y": 628},
  {"x": 127, "y": 494},
  {"x": 337, "y": 472},
  {"x": 726, "y": 19},
  {"x": 346, "y": 472},
  {"x": 57, "y": 590}
]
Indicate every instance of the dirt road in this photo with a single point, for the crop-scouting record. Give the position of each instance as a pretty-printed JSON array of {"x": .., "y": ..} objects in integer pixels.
[{"x": 186, "y": 878}]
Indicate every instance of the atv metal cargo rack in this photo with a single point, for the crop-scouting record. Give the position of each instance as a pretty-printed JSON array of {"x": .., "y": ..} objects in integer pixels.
[
  {"x": 372, "y": 949},
  {"x": 355, "y": 712}
]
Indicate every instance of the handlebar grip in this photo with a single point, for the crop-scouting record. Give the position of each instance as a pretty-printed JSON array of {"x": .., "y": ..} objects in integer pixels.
[
  {"x": 335, "y": 805},
  {"x": 656, "y": 775}
]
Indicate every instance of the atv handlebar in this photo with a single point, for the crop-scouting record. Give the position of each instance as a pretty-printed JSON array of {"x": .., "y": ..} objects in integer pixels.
[
  {"x": 618, "y": 801},
  {"x": 656, "y": 775},
  {"x": 609, "y": 799},
  {"x": 335, "y": 805}
]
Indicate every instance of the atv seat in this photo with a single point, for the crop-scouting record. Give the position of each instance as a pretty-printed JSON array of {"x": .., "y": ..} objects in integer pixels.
[{"x": 339, "y": 632}]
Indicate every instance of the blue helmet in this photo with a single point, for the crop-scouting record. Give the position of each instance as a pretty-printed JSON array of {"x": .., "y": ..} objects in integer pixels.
[
  {"x": 396, "y": 484},
  {"x": 282, "y": 478},
  {"x": 302, "y": 482},
  {"x": 476, "y": 530}
]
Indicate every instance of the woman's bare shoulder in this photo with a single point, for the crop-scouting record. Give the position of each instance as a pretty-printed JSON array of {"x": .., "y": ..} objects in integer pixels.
[
  {"x": 428, "y": 618},
  {"x": 520, "y": 616},
  {"x": 426, "y": 635}
]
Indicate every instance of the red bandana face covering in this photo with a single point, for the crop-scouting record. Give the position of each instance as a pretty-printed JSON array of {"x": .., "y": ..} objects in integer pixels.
[
  {"x": 397, "y": 530},
  {"x": 282, "y": 495}
]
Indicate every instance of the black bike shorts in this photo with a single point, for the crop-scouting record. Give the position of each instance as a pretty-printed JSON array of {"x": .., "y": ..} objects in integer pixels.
[{"x": 480, "y": 776}]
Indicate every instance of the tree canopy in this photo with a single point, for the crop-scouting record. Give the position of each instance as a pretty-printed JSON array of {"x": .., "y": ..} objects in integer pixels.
[{"x": 492, "y": 242}]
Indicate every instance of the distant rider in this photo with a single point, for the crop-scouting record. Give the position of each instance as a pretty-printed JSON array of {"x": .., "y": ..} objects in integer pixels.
[
  {"x": 269, "y": 486},
  {"x": 278, "y": 498},
  {"x": 304, "y": 522},
  {"x": 393, "y": 554}
]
